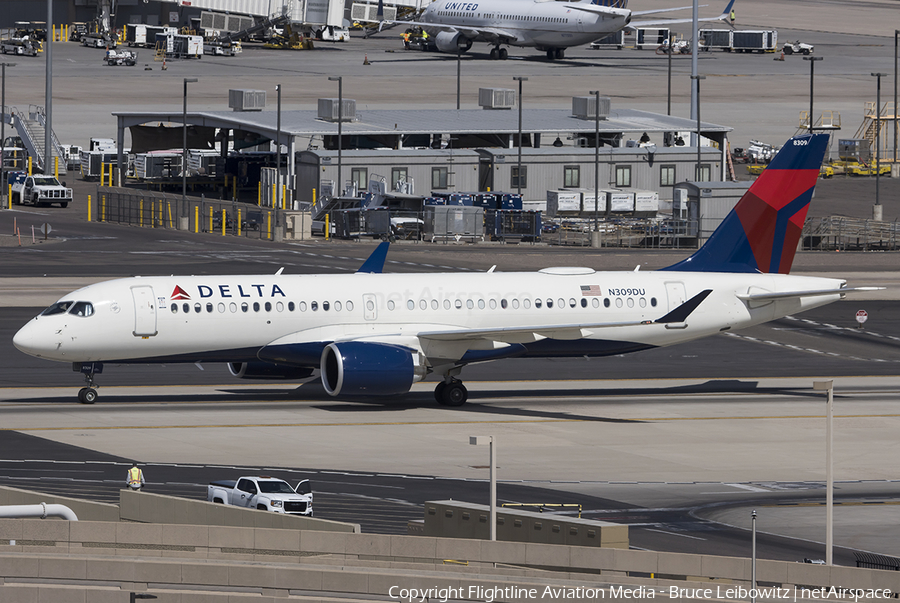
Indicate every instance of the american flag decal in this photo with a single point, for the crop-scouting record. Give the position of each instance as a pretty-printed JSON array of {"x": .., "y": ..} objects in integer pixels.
[{"x": 591, "y": 290}]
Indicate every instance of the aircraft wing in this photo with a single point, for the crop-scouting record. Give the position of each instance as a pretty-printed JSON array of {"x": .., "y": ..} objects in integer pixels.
[
  {"x": 564, "y": 331},
  {"x": 488, "y": 34},
  {"x": 638, "y": 13},
  {"x": 722, "y": 17}
]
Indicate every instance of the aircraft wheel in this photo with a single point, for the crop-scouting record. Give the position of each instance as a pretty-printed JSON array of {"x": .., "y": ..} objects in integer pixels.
[
  {"x": 504, "y": 54},
  {"x": 560, "y": 53},
  {"x": 551, "y": 54},
  {"x": 455, "y": 394},
  {"x": 87, "y": 395},
  {"x": 494, "y": 54},
  {"x": 439, "y": 392}
]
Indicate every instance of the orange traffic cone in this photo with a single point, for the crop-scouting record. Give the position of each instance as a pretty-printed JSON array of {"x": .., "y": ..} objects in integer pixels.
[
  {"x": 366, "y": 60},
  {"x": 164, "y": 64}
]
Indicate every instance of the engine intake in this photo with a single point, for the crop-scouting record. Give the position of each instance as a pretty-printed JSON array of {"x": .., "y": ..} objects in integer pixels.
[
  {"x": 267, "y": 370},
  {"x": 447, "y": 41},
  {"x": 358, "y": 368}
]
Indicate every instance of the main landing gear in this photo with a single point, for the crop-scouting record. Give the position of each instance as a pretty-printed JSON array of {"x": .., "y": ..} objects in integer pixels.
[
  {"x": 451, "y": 393},
  {"x": 499, "y": 53},
  {"x": 88, "y": 395},
  {"x": 555, "y": 54}
]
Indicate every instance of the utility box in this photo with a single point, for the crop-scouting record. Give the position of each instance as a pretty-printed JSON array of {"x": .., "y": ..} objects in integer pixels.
[
  {"x": 329, "y": 110},
  {"x": 854, "y": 149},
  {"x": 496, "y": 98},
  {"x": 585, "y": 107},
  {"x": 454, "y": 222},
  {"x": 247, "y": 100},
  {"x": 708, "y": 203}
]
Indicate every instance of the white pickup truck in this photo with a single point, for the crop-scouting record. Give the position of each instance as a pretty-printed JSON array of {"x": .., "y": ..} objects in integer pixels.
[
  {"x": 264, "y": 493},
  {"x": 38, "y": 190}
]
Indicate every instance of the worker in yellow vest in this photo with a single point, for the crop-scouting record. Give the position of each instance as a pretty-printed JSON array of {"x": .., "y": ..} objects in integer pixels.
[{"x": 135, "y": 477}]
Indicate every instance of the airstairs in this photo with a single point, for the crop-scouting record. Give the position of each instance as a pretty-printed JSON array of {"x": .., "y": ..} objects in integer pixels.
[
  {"x": 868, "y": 130},
  {"x": 31, "y": 128}
]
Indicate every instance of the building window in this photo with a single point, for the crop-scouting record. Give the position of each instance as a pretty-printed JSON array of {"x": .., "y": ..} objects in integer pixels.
[
  {"x": 667, "y": 175},
  {"x": 517, "y": 181},
  {"x": 398, "y": 175},
  {"x": 623, "y": 176},
  {"x": 360, "y": 177},
  {"x": 439, "y": 178},
  {"x": 571, "y": 176},
  {"x": 702, "y": 173}
]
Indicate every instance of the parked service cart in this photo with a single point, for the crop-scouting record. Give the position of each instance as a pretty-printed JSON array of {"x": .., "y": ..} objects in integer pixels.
[
  {"x": 798, "y": 47},
  {"x": 454, "y": 222},
  {"x": 20, "y": 46},
  {"x": 651, "y": 38},
  {"x": 719, "y": 39},
  {"x": 121, "y": 57},
  {"x": 764, "y": 40}
]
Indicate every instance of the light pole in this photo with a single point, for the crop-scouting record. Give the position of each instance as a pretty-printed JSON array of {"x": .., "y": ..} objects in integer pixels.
[
  {"x": 828, "y": 386},
  {"x": 896, "y": 38},
  {"x": 489, "y": 440},
  {"x": 48, "y": 93},
  {"x": 812, "y": 73},
  {"x": 595, "y": 241},
  {"x": 520, "y": 79},
  {"x": 697, "y": 78},
  {"x": 878, "y": 210},
  {"x": 340, "y": 80},
  {"x": 669, "y": 94},
  {"x": 753, "y": 556},
  {"x": 459, "y": 50},
  {"x": 184, "y": 161},
  {"x": 3, "y": 66},
  {"x": 277, "y": 199}
]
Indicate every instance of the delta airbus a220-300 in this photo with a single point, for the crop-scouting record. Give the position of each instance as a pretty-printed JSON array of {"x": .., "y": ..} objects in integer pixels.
[
  {"x": 375, "y": 334},
  {"x": 547, "y": 25}
]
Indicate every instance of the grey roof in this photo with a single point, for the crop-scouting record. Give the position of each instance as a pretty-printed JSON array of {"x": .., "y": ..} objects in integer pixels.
[{"x": 416, "y": 121}]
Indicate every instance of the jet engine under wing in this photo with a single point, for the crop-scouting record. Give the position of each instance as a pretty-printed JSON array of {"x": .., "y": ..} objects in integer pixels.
[{"x": 565, "y": 332}]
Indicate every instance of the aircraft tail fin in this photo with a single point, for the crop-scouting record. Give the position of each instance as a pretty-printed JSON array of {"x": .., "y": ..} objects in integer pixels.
[
  {"x": 374, "y": 264},
  {"x": 762, "y": 231}
]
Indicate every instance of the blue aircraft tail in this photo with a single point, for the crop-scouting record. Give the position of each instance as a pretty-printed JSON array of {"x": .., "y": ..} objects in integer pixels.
[{"x": 762, "y": 231}]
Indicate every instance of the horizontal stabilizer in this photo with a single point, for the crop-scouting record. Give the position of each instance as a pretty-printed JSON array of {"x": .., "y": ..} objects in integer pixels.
[{"x": 795, "y": 294}]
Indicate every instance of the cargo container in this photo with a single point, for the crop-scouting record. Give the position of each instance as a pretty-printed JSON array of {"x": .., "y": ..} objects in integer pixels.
[
  {"x": 614, "y": 40},
  {"x": 646, "y": 203},
  {"x": 719, "y": 39},
  {"x": 519, "y": 225},
  {"x": 91, "y": 162},
  {"x": 620, "y": 201},
  {"x": 563, "y": 202},
  {"x": 145, "y": 35},
  {"x": 764, "y": 40},
  {"x": 454, "y": 222},
  {"x": 157, "y": 165},
  {"x": 651, "y": 38},
  {"x": 180, "y": 46}
]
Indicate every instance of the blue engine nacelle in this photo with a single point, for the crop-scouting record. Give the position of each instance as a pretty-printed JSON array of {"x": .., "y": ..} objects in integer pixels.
[
  {"x": 447, "y": 41},
  {"x": 358, "y": 368},
  {"x": 267, "y": 370}
]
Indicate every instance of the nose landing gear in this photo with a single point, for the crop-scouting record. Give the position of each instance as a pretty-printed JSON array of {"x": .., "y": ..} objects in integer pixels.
[{"x": 88, "y": 395}]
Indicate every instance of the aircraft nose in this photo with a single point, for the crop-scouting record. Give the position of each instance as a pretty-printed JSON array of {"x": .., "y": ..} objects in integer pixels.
[{"x": 29, "y": 340}]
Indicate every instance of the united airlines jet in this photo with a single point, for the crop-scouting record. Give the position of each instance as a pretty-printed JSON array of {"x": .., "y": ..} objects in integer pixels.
[
  {"x": 548, "y": 25},
  {"x": 375, "y": 334}
]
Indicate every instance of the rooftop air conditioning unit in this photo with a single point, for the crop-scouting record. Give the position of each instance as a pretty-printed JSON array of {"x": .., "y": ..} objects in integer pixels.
[
  {"x": 247, "y": 100},
  {"x": 329, "y": 110},
  {"x": 496, "y": 98},
  {"x": 584, "y": 107}
]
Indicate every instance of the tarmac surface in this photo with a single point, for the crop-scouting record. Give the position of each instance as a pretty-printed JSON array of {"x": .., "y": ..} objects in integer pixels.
[{"x": 681, "y": 442}]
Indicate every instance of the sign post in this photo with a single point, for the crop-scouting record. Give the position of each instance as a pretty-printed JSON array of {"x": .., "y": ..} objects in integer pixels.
[{"x": 861, "y": 317}]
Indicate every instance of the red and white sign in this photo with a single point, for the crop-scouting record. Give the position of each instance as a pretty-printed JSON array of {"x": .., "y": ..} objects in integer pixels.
[{"x": 861, "y": 316}]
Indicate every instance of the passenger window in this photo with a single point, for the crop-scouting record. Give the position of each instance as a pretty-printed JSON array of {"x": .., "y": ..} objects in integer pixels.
[
  {"x": 470, "y": 304},
  {"x": 337, "y": 306},
  {"x": 434, "y": 304},
  {"x": 220, "y": 307},
  {"x": 481, "y": 304},
  {"x": 537, "y": 303},
  {"x": 314, "y": 306},
  {"x": 446, "y": 304},
  {"x": 390, "y": 304},
  {"x": 503, "y": 303},
  {"x": 583, "y": 302},
  {"x": 233, "y": 307},
  {"x": 423, "y": 305},
  {"x": 279, "y": 306},
  {"x": 82, "y": 309},
  {"x": 410, "y": 304},
  {"x": 458, "y": 304},
  {"x": 186, "y": 308},
  {"x": 349, "y": 306},
  {"x": 302, "y": 306},
  {"x": 630, "y": 302},
  {"x": 174, "y": 308},
  {"x": 549, "y": 303},
  {"x": 653, "y": 301},
  {"x": 325, "y": 306},
  {"x": 643, "y": 302},
  {"x": 595, "y": 302},
  {"x": 291, "y": 306},
  {"x": 268, "y": 306},
  {"x": 606, "y": 302},
  {"x": 209, "y": 307},
  {"x": 244, "y": 307},
  {"x": 562, "y": 303},
  {"x": 198, "y": 308},
  {"x": 618, "y": 302},
  {"x": 526, "y": 303},
  {"x": 515, "y": 303},
  {"x": 493, "y": 304},
  {"x": 256, "y": 306}
]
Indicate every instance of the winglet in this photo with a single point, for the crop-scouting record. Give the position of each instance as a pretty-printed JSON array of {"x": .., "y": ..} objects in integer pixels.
[
  {"x": 375, "y": 263},
  {"x": 681, "y": 313}
]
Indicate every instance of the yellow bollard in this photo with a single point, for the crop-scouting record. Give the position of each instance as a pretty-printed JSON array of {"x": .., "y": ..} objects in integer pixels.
[
  {"x": 56, "y": 167},
  {"x": 283, "y": 197},
  {"x": 259, "y": 193},
  {"x": 314, "y": 198},
  {"x": 196, "y": 219},
  {"x": 274, "y": 202},
  {"x": 239, "y": 223},
  {"x": 102, "y": 172},
  {"x": 153, "y": 214},
  {"x": 162, "y": 217},
  {"x": 169, "y": 206},
  {"x": 29, "y": 166},
  {"x": 210, "y": 219},
  {"x": 327, "y": 226},
  {"x": 89, "y": 208},
  {"x": 9, "y": 196},
  {"x": 141, "y": 214},
  {"x": 269, "y": 228},
  {"x": 223, "y": 222},
  {"x": 103, "y": 209}
]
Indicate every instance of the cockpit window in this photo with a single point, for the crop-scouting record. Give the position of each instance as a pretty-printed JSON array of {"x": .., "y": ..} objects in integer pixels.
[
  {"x": 82, "y": 308},
  {"x": 58, "y": 308}
]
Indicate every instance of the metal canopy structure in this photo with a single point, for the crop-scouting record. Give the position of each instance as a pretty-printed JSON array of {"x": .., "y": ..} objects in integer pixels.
[{"x": 394, "y": 125}]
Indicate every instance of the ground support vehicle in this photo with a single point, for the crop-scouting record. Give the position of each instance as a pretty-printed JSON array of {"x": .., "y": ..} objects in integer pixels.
[
  {"x": 20, "y": 46},
  {"x": 121, "y": 57},
  {"x": 38, "y": 190},
  {"x": 263, "y": 493},
  {"x": 798, "y": 47},
  {"x": 764, "y": 40},
  {"x": 98, "y": 40}
]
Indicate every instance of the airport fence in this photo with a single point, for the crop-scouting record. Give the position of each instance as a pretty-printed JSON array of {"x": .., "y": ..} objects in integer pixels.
[
  {"x": 151, "y": 209},
  {"x": 839, "y": 233}
]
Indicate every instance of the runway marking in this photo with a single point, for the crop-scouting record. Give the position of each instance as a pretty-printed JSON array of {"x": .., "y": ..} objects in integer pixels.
[
  {"x": 414, "y": 423},
  {"x": 674, "y": 534}
]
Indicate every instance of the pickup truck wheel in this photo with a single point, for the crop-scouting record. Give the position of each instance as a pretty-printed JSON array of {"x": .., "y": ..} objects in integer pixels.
[
  {"x": 218, "y": 501},
  {"x": 35, "y": 201},
  {"x": 64, "y": 204},
  {"x": 261, "y": 507}
]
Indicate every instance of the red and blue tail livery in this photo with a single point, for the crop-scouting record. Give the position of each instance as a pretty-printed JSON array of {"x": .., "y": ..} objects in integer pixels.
[{"x": 762, "y": 231}]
